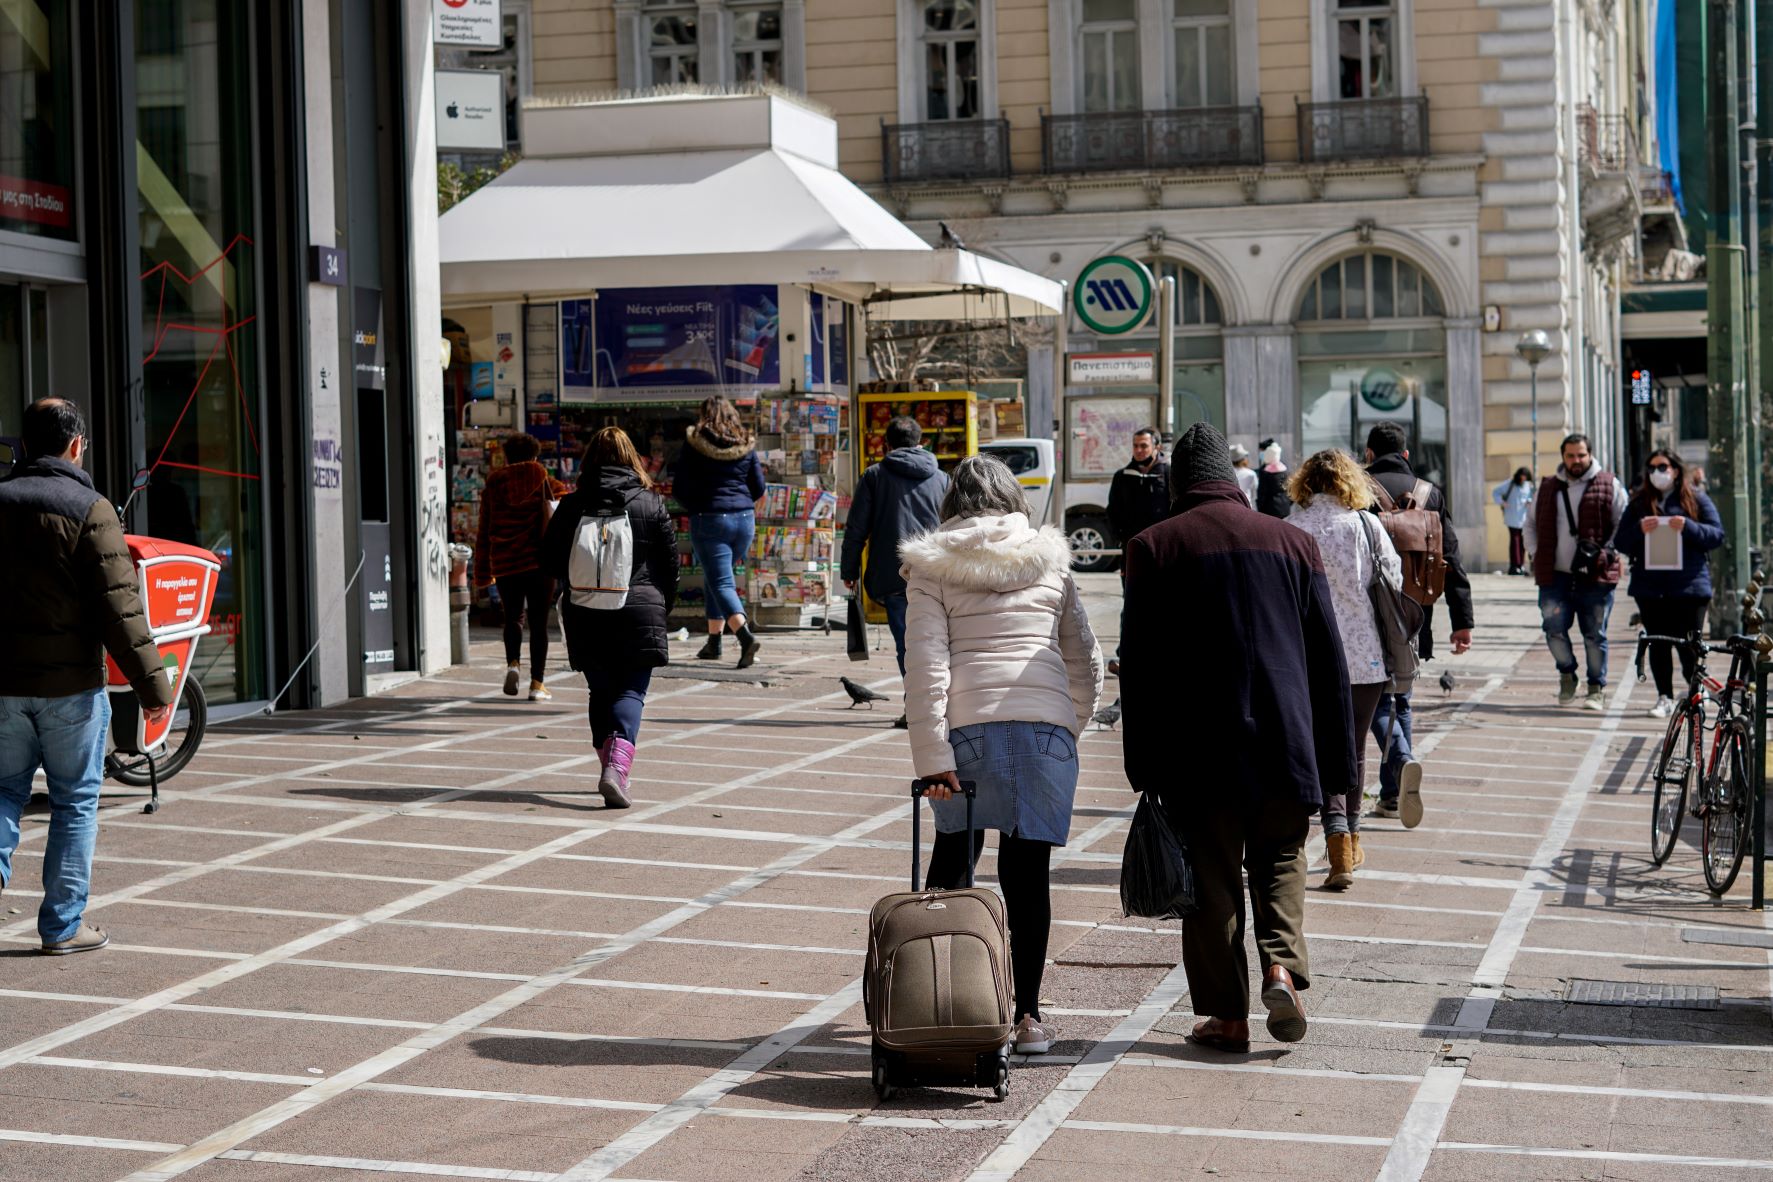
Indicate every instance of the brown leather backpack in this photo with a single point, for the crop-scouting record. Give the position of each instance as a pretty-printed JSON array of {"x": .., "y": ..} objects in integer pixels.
[{"x": 1415, "y": 533}]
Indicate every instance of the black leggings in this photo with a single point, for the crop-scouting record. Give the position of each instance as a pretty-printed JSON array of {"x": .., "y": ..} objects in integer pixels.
[
  {"x": 529, "y": 594},
  {"x": 1671, "y": 615},
  {"x": 1022, "y": 876}
]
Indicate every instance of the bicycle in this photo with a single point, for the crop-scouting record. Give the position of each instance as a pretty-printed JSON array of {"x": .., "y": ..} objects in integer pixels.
[{"x": 1720, "y": 786}]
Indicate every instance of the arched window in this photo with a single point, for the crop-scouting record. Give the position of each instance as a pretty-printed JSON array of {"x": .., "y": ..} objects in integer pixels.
[
  {"x": 1200, "y": 350},
  {"x": 1371, "y": 349},
  {"x": 1370, "y": 286}
]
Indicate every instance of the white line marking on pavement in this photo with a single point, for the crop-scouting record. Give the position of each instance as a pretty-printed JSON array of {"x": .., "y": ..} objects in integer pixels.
[
  {"x": 85, "y": 1142},
  {"x": 1116, "y": 1126},
  {"x": 1517, "y": 1085},
  {"x": 300, "y": 1081},
  {"x": 1665, "y": 1159},
  {"x": 1263, "y": 1069},
  {"x": 1056, "y": 1106},
  {"x": 386, "y": 1167}
]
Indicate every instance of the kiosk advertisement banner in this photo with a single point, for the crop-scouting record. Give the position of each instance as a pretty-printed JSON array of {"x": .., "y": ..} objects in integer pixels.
[{"x": 652, "y": 342}]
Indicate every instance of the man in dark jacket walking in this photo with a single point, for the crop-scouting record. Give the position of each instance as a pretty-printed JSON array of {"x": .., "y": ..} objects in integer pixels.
[
  {"x": 1237, "y": 714},
  {"x": 1400, "y": 776},
  {"x": 71, "y": 596},
  {"x": 1138, "y": 497},
  {"x": 898, "y": 498}
]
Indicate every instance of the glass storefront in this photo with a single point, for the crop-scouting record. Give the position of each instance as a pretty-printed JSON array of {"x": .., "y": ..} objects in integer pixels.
[
  {"x": 36, "y": 119},
  {"x": 200, "y": 369}
]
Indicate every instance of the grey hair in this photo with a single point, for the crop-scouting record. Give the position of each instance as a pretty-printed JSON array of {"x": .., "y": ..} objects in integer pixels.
[{"x": 982, "y": 486}]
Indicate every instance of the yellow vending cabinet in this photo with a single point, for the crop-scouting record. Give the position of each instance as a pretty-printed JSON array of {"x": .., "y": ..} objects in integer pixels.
[{"x": 950, "y": 422}]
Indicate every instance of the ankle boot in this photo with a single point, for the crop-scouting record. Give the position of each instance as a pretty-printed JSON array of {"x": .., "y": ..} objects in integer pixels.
[
  {"x": 748, "y": 646},
  {"x": 1341, "y": 851},
  {"x": 613, "y": 784},
  {"x": 711, "y": 650},
  {"x": 1359, "y": 857}
]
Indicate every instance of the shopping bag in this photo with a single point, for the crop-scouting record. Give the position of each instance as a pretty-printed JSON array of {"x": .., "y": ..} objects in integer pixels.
[
  {"x": 857, "y": 628},
  {"x": 1156, "y": 880}
]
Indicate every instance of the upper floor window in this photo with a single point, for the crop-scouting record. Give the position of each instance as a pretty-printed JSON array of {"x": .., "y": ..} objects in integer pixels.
[
  {"x": 757, "y": 43},
  {"x": 950, "y": 38},
  {"x": 1203, "y": 68},
  {"x": 1365, "y": 45},
  {"x": 1196, "y": 305},
  {"x": 671, "y": 42},
  {"x": 1109, "y": 36},
  {"x": 1370, "y": 286}
]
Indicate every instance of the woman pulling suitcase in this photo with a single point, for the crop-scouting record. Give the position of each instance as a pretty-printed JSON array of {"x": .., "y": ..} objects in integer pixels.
[{"x": 1002, "y": 673}]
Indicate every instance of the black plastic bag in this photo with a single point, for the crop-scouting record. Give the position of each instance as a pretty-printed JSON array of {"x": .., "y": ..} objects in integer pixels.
[
  {"x": 857, "y": 629},
  {"x": 1156, "y": 881}
]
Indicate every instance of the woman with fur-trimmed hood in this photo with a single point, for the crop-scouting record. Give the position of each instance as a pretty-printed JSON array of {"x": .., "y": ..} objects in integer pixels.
[
  {"x": 718, "y": 480},
  {"x": 1002, "y": 674}
]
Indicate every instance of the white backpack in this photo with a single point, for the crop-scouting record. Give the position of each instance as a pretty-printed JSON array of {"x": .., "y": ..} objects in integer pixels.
[{"x": 602, "y": 560}]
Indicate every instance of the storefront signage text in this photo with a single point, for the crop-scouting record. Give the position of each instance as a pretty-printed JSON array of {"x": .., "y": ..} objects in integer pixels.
[
  {"x": 473, "y": 23},
  {"x": 645, "y": 340},
  {"x": 471, "y": 110},
  {"x": 1110, "y": 369},
  {"x": 24, "y": 200}
]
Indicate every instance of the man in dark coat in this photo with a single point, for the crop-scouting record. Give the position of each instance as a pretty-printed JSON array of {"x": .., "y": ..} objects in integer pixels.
[
  {"x": 1400, "y": 776},
  {"x": 71, "y": 595},
  {"x": 1138, "y": 497},
  {"x": 898, "y": 498},
  {"x": 1237, "y": 713}
]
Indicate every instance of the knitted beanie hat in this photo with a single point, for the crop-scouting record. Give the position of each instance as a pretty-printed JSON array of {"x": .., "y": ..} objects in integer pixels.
[{"x": 1199, "y": 456}]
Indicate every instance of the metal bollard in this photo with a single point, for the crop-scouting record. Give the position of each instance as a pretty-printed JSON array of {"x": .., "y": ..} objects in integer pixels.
[{"x": 461, "y": 597}]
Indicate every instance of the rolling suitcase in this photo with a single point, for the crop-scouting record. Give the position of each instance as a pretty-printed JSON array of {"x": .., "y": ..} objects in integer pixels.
[{"x": 936, "y": 986}]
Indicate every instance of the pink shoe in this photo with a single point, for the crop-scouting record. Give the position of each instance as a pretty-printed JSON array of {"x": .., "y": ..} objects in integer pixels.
[{"x": 614, "y": 782}]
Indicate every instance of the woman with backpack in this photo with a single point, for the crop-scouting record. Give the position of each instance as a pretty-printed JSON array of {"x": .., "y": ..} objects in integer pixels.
[
  {"x": 1670, "y": 602},
  {"x": 514, "y": 509},
  {"x": 1002, "y": 674},
  {"x": 1333, "y": 496},
  {"x": 1515, "y": 495},
  {"x": 615, "y": 622},
  {"x": 718, "y": 481}
]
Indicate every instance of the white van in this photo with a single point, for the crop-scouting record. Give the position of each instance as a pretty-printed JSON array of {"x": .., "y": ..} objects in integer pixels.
[{"x": 1086, "y": 501}]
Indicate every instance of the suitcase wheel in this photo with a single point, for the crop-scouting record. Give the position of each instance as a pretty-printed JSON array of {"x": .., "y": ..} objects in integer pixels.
[
  {"x": 1000, "y": 1089},
  {"x": 883, "y": 1087}
]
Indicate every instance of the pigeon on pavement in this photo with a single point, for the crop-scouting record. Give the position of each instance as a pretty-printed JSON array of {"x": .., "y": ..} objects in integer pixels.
[
  {"x": 1446, "y": 681},
  {"x": 860, "y": 694},
  {"x": 1108, "y": 715}
]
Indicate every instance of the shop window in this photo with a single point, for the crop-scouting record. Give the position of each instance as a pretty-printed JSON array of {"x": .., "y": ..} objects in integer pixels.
[
  {"x": 201, "y": 389},
  {"x": 1109, "y": 38},
  {"x": 757, "y": 43},
  {"x": 36, "y": 121},
  {"x": 1364, "y": 41},
  {"x": 671, "y": 42},
  {"x": 951, "y": 59},
  {"x": 1203, "y": 65}
]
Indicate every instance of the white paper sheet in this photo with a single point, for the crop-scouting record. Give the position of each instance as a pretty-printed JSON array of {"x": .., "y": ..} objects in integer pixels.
[{"x": 1663, "y": 547}]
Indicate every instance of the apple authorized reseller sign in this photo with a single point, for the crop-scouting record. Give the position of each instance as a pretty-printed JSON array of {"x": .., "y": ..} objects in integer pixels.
[{"x": 471, "y": 110}]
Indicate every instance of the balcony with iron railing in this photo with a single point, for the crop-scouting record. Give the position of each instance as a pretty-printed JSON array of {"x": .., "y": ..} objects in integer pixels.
[
  {"x": 1612, "y": 199},
  {"x": 948, "y": 150},
  {"x": 1122, "y": 141},
  {"x": 1605, "y": 143},
  {"x": 1363, "y": 129}
]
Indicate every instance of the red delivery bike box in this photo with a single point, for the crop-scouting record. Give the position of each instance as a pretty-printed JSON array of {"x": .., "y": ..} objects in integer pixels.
[{"x": 178, "y": 585}]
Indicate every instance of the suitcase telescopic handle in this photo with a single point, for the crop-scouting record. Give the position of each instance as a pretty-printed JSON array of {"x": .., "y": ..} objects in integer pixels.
[{"x": 969, "y": 789}]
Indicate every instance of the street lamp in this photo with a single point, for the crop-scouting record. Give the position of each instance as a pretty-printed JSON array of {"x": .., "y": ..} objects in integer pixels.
[{"x": 1534, "y": 347}]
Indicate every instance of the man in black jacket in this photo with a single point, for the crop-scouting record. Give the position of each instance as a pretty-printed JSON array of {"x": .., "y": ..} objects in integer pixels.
[
  {"x": 70, "y": 596},
  {"x": 1236, "y": 711},
  {"x": 1138, "y": 497},
  {"x": 898, "y": 498},
  {"x": 1400, "y": 776}
]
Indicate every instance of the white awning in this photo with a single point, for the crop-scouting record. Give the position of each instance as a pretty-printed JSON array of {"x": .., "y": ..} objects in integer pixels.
[{"x": 565, "y": 225}]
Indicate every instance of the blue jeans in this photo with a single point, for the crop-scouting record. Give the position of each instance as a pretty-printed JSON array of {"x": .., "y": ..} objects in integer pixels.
[
  {"x": 1400, "y": 752},
  {"x": 895, "y": 606},
  {"x": 719, "y": 540},
  {"x": 617, "y": 696},
  {"x": 66, "y": 737},
  {"x": 1589, "y": 605}
]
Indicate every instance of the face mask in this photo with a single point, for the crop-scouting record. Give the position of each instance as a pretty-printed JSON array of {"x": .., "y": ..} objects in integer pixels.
[{"x": 1662, "y": 478}]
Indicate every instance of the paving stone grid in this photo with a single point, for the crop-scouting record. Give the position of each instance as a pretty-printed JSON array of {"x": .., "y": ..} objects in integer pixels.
[{"x": 400, "y": 938}]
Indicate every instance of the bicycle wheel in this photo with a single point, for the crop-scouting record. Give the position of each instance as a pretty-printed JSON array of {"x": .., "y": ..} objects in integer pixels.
[
  {"x": 1725, "y": 827},
  {"x": 182, "y": 742},
  {"x": 1676, "y": 772}
]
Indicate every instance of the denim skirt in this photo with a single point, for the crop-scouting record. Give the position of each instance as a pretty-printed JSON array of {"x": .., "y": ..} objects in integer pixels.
[{"x": 1026, "y": 777}]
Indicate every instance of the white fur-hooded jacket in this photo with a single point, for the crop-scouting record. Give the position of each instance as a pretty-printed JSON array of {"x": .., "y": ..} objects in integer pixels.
[{"x": 994, "y": 632}]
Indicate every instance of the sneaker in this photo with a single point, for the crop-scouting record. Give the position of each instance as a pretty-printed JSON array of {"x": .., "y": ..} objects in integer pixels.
[
  {"x": 511, "y": 676},
  {"x": 1663, "y": 708},
  {"x": 86, "y": 939},
  {"x": 1386, "y": 809},
  {"x": 539, "y": 692},
  {"x": 1596, "y": 699},
  {"x": 1566, "y": 688},
  {"x": 1034, "y": 1038},
  {"x": 1409, "y": 800}
]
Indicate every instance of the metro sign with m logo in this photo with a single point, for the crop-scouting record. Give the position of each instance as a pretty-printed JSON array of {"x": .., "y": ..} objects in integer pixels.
[{"x": 1113, "y": 295}]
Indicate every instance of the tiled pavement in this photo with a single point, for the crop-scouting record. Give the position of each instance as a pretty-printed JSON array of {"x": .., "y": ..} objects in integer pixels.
[{"x": 401, "y": 939}]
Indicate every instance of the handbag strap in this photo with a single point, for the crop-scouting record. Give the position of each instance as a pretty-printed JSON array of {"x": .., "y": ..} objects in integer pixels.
[
  {"x": 1372, "y": 550},
  {"x": 1569, "y": 513}
]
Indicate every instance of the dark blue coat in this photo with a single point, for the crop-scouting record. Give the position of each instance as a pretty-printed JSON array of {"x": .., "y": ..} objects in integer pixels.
[
  {"x": 1237, "y": 689},
  {"x": 714, "y": 476},
  {"x": 898, "y": 498},
  {"x": 1699, "y": 537}
]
